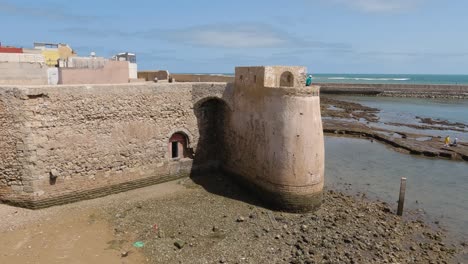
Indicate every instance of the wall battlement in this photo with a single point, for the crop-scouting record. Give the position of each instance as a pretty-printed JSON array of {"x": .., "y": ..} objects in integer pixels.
[{"x": 66, "y": 143}]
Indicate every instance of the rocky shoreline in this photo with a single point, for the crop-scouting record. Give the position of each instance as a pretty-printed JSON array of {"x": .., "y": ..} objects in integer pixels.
[
  {"x": 447, "y": 91},
  {"x": 341, "y": 118},
  {"x": 227, "y": 225}
]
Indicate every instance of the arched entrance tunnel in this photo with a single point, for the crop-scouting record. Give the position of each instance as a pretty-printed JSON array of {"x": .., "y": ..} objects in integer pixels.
[
  {"x": 212, "y": 116},
  {"x": 177, "y": 146}
]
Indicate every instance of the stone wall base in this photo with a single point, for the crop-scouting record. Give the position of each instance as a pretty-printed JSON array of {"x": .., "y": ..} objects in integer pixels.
[
  {"x": 279, "y": 200},
  {"x": 38, "y": 203}
]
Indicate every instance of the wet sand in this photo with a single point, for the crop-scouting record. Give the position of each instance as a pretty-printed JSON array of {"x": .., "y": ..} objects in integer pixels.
[
  {"x": 216, "y": 221},
  {"x": 72, "y": 233},
  {"x": 210, "y": 219}
]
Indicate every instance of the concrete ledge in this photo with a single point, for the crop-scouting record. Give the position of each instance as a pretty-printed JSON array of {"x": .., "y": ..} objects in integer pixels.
[
  {"x": 281, "y": 200},
  {"x": 202, "y": 78}
]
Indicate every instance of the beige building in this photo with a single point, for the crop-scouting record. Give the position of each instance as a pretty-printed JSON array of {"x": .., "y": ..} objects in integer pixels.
[
  {"x": 21, "y": 68},
  {"x": 53, "y": 52}
]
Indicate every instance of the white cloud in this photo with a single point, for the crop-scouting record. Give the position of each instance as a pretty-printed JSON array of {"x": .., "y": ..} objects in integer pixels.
[
  {"x": 231, "y": 36},
  {"x": 244, "y": 35},
  {"x": 380, "y": 6},
  {"x": 44, "y": 12}
]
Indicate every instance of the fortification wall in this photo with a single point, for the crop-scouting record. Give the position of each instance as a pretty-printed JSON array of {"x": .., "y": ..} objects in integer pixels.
[
  {"x": 150, "y": 75},
  {"x": 27, "y": 73},
  {"x": 274, "y": 138},
  {"x": 90, "y": 141},
  {"x": 73, "y": 142},
  {"x": 275, "y": 142},
  {"x": 401, "y": 90},
  {"x": 202, "y": 78},
  {"x": 12, "y": 148}
]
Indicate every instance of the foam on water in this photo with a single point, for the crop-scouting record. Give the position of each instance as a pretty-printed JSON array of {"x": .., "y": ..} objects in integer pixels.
[
  {"x": 391, "y": 78},
  {"x": 365, "y": 79}
]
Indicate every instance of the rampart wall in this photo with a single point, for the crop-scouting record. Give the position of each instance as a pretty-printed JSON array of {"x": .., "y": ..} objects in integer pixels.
[
  {"x": 12, "y": 145},
  {"x": 202, "y": 78},
  {"x": 83, "y": 142},
  {"x": 274, "y": 139},
  {"x": 150, "y": 75}
]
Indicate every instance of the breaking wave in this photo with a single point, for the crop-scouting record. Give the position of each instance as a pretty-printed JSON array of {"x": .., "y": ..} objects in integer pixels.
[{"x": 368, "y": 79}]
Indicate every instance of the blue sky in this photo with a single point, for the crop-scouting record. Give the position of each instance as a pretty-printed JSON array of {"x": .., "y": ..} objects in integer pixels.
[{"x": 327, "y": 36}]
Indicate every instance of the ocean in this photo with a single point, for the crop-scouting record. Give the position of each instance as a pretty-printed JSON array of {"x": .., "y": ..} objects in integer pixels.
[{"x": 385, "y": 78}]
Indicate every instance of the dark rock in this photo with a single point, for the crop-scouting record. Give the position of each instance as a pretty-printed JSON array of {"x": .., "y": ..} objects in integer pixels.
[{"x": 179, "y": 244}]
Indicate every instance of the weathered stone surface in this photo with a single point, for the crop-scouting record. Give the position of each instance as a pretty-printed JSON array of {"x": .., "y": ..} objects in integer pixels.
[{"x": 92, "y": 137}]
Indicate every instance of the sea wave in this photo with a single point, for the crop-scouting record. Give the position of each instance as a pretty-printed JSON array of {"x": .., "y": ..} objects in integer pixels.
[{"x": 368, "y": 79}]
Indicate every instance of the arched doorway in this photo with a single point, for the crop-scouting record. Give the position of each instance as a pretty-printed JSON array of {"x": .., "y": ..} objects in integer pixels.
[
  {"x": 287, "y": 79},
  {"x": 178, "y": 146},
  {"x": 212, "y": 116}
]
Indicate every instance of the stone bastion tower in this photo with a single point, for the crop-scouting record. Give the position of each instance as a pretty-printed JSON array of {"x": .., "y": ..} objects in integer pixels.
[
  {"x": 275, "y": 137},
  {"x": 65, "y": 143}
]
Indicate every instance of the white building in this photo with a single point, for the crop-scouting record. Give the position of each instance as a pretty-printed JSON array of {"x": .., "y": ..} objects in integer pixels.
[{"x": 132, "y": 65}]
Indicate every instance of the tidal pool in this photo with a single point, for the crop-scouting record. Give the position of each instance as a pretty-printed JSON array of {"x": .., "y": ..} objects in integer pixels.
[{"x": 439, "y": 187}]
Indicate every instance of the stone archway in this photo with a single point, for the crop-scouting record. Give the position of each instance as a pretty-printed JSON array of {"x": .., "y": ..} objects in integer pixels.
[
  {"x": 178, "y": 146},
  {"x": 287, "y": 79},
  {"x": 212, "y": 116}
]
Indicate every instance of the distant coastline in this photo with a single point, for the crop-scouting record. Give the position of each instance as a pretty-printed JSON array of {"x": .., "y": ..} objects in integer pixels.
[{"x": 398, "y": 90}]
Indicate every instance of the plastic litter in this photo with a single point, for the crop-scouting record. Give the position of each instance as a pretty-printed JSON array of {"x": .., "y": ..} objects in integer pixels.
[{"x": 139, "y": 244}]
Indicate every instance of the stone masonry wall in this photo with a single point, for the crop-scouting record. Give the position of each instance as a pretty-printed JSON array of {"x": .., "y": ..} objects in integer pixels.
[
  {"x": 13, "y": 149},
  {"x": 89, "y": 141},
  {"x": 67, "y": 143}
]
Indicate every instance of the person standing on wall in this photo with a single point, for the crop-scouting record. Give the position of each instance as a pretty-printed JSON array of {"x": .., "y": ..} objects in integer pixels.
[{"x": 309, "y": 80}]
